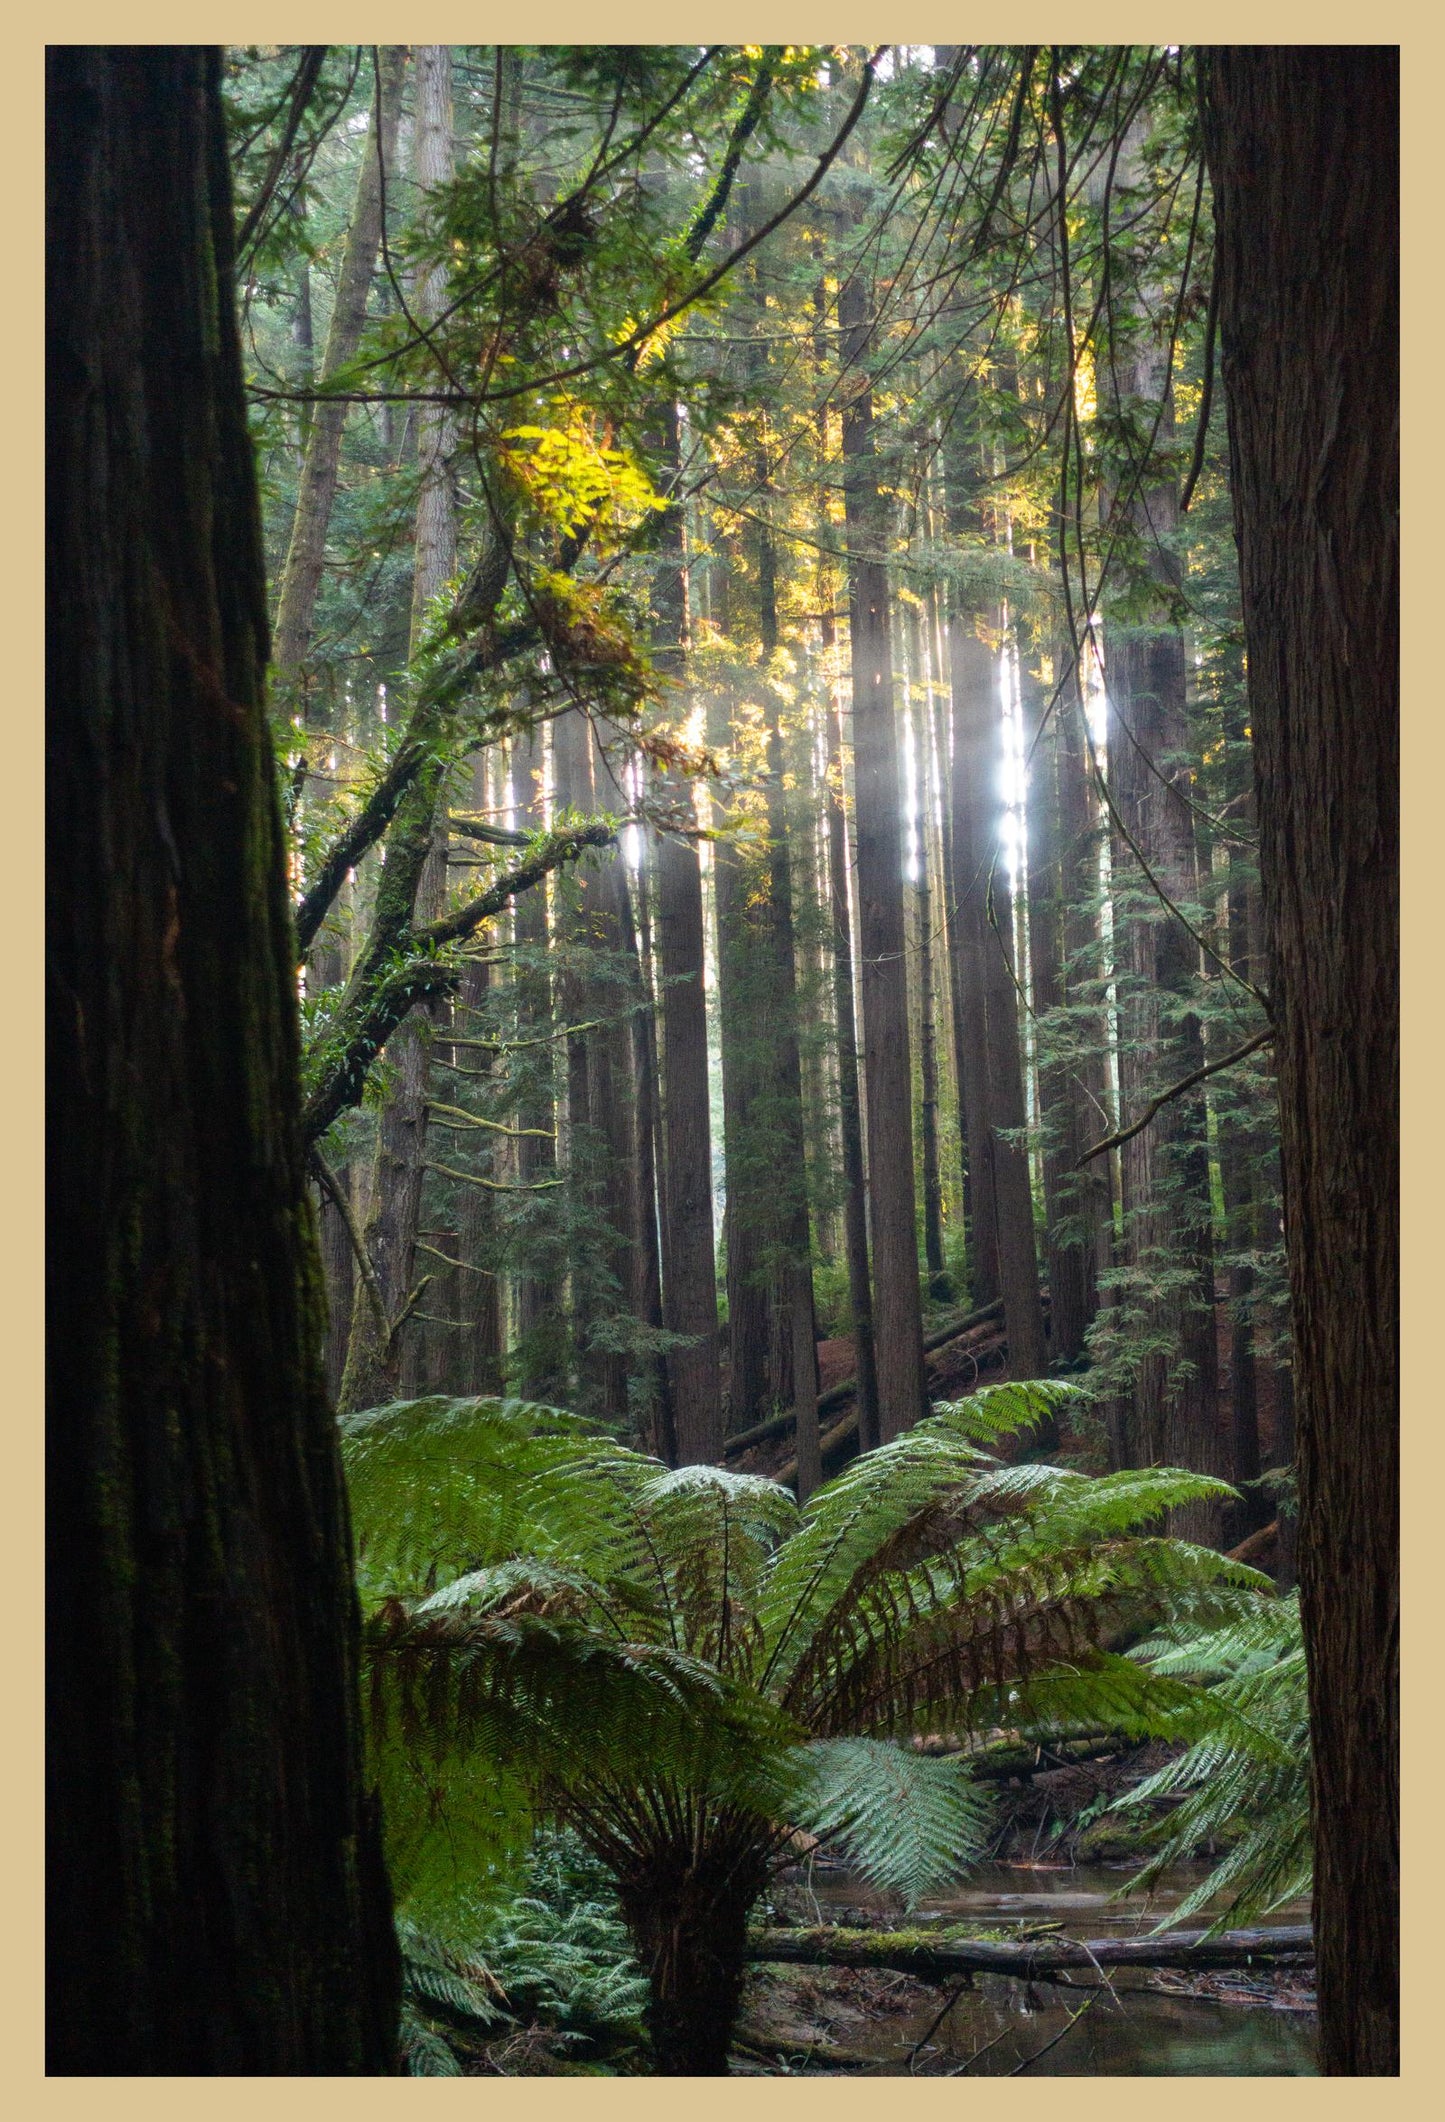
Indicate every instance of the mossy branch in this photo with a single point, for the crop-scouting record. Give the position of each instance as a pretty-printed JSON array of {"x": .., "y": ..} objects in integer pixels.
[{"x": 381, "y": 995}]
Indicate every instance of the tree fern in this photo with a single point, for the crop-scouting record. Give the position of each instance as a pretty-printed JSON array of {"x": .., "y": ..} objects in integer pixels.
[{"x": 686, "y": 1668}]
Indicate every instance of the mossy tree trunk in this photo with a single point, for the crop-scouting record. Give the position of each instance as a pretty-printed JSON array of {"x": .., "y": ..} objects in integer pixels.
[{"x": 218, "y": 1903}]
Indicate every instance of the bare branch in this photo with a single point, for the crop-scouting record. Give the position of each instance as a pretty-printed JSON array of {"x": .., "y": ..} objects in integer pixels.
[{"x": 1177, "y": 1090}]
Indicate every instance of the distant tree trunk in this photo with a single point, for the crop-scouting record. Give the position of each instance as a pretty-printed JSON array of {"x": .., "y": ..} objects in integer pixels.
[
  {"x": 1065, "y": 1118},
  {"x": 990, "y": 1064},
  {"x": 301, "y": 575},
  {"x": 897, "y": 1309},
  {"x": 540, "y": 1365},
  {"x": 217, "y": 1900},
  {"x": 737, "y": 949},
  {"x": 1303, "y": 151},
  {"x": 1168, "y": 1214},
  {"x": 375, "y": 1361},
  {"x": 689, "y": 1264},
  {"x": 795, "y": 1370},
  {"x": 938, "y": 1282},
  {"x": 855, "y": 1204},
  {"x": 1080, "y": 848},
  {"x": 573, "y": 791},
  {"x": 474, "y": 1354}
]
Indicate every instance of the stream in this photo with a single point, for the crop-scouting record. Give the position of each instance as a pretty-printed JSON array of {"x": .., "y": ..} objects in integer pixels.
[{"x": 1127, "y": 2028}]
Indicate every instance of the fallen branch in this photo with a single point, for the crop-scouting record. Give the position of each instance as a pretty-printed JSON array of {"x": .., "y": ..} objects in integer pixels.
[{"x": 943, "y": 1959}]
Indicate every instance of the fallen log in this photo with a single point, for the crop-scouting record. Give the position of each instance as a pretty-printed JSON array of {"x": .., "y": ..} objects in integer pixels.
[
  {"x": 843, "y": 1432},
  {"x": 838, "y": 1395},
  {"x": 941, "y": 1957}
]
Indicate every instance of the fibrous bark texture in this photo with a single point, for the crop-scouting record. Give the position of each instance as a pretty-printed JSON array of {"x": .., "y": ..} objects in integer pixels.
[
  {"x": 217, "y": 1898},
  {"x": 888, "y": 1090},
  {"x": 1303, "y": 146}
]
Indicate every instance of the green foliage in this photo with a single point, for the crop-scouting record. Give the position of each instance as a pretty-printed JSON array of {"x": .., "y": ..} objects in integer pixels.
[
  {"x": 557, "y": 1626},
  {"x": 908, "y": 1822},
  {"x": 1248, "y": 1768}
]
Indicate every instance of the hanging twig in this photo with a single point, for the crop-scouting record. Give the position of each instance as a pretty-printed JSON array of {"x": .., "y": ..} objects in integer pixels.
[
  {"x": 1177, "y": 1090},
  {"x": 334, "y": 1188}
]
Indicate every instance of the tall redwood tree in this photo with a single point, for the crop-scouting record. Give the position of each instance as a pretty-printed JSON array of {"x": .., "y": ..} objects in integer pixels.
[
  {"x": 1303, "y": 145},
  {"x": 217, "y": 1901}
]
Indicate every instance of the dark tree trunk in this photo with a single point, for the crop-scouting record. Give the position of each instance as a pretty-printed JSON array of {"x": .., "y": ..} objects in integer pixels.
[
  {"x": 686, "y": 1909},
  {"x": 990, "y": 1064},
  {"x": 1070, "y": 1272},
  {"x": 897, "y": 1306},
  {"x": 855, "y": 1201},
  {"x": 689, "y": 1264},
  {"x": 1168, "y": 1227},
  {"x": 217, "y": 1903},
  {"x": 738, "y": 949},
  {"x": 1303, "y": 145},
  {"x": 541, "y": 1363},
  {"x": 938, "y": 1283}
]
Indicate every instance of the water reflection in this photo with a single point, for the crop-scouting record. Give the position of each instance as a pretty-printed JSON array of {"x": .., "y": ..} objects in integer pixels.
[{"x": 1123, "y": 2028}]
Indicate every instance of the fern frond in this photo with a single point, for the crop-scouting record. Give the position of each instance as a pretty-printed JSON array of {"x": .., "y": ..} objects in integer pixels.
[
  {"x": 1249, "y": 1763},
  {"x": 908, "y": 1822}
]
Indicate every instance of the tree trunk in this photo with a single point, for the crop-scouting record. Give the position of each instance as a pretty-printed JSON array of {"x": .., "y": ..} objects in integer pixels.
[
  {"x": 301, "y": 575},
  {"x": 1070, "y": 1262},
  {"x": 217, "y": 1901},
  {"x": 737, "y": 952},
  {"x": 855, "y": 1203},
  {"x": 1303, "y": 151},
  {"x": 938, "y": 1283},
  {"x": 990, "y": 1064},
  {"x": 897, "y": 1306},
  {"x": 686, "y": 1907},
  {"x": 375, "y": 1361},
  {"x": 689, "y": 1265},
  {"x": 541, "y": 1365}
]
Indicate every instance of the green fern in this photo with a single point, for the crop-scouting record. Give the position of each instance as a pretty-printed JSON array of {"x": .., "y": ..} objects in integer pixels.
[
  {"x": 909, "y": 1823},
  {"x": 1249, "y": 1763},
  {"x": 686, "y": 1668}
]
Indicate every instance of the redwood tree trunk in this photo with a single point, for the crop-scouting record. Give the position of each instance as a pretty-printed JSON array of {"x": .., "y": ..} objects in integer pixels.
[
  {"x": 689, "y": 1264},
  {"x": 1303, "y": 150},
  {"x": 217, "y": 1903},
  {"x": 305, "y": 555},
  {"x": 897, "y": 1305}
]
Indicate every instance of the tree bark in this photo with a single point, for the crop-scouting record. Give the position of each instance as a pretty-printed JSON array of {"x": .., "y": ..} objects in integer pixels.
[
  {"x": 938, "y": 1283},
  {"x": 217, "y": 1901},
  {"x": 1073, "y": 1293},
  {"x": 855, "y": 1201},
  {"x": 375, "y": 1361},
  {"x": 1303, "y": 152},
  {"x": 897, "y": 1306},
  {"x": 990, "y": 1065},
  {"x": 689, "y": 1264},
  {"x": 301, "y": 575},
  {"x": 541, "y": 1365}
]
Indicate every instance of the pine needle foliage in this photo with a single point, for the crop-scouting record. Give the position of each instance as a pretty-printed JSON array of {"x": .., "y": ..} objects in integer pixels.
[{"x": 686, "y": 1667}]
